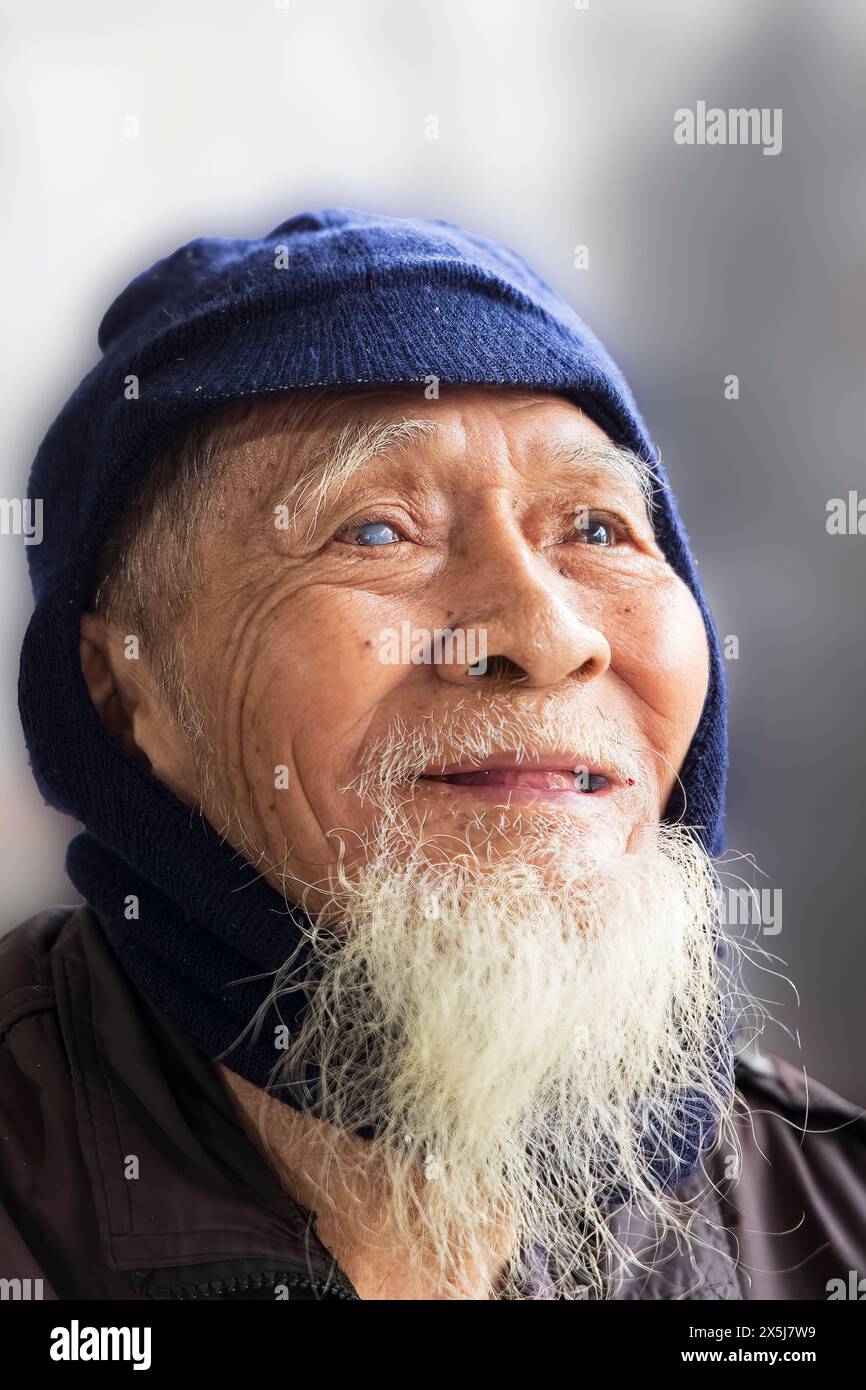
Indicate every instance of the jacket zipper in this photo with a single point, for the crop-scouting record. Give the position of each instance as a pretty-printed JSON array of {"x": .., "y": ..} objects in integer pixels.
[{"x": 217, "y": 1287}]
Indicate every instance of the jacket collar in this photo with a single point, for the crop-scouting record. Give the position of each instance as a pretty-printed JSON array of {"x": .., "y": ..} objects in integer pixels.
[
  {"x": 163, "y": 1147},
  {"x": 663, "y": 1267}
]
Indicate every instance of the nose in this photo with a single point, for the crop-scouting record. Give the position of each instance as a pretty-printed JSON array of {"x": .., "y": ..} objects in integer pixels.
[{"x": 525, "y": 623}]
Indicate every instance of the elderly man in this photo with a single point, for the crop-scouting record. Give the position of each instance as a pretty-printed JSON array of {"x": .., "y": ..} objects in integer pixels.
[{"x": 369, "y": 650}]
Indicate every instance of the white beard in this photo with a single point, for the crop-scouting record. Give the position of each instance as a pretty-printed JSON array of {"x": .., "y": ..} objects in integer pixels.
[{"x": 507, "y": 1028}]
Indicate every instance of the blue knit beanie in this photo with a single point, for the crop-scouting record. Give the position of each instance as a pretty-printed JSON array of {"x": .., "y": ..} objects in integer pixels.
[{"x": 336, "y": 298}]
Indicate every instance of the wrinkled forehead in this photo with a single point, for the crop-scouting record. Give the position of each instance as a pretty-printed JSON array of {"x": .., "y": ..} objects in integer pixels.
[{"x": 319, "y": 444}]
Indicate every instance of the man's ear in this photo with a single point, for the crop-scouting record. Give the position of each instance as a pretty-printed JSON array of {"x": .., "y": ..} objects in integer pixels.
[{"x": 126, "y": 698}]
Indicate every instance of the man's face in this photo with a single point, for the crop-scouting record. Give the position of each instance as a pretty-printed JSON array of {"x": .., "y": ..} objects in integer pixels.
[{"x": 504, "y": 520}]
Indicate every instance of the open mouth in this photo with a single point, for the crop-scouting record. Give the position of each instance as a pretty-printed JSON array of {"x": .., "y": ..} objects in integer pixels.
[
  {"x": 506, "y": 776},
  {"x": 532, "y": 779}
]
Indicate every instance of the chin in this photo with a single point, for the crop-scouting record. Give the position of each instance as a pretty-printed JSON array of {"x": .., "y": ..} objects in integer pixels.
[{"x": 558, "y": 842}]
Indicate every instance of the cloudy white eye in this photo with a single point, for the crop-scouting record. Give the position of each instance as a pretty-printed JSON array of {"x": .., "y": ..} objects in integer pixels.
[
  {"x": 373, "y": 533},
  {"x": 594, "y": 530}
]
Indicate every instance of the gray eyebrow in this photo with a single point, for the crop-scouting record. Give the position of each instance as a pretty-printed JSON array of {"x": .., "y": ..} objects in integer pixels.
[
  {"x": 625, "y": 465},
  {"x": 345, "y": 454}
]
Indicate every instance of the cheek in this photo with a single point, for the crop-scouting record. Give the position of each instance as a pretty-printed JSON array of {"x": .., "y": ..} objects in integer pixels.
[
  {"x": 312, "y": 698},
  {"x": 660, "y": 650}
]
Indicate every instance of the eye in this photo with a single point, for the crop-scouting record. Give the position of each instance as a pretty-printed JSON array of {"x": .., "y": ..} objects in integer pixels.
[
  {"x": 592, "y": 529},
  {"x": 370, "y": 533},
  {"x": 599, "y": 533}
]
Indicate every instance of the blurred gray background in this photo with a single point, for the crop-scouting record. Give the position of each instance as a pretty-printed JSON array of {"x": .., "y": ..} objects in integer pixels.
[{"x": 555, "y": 130}]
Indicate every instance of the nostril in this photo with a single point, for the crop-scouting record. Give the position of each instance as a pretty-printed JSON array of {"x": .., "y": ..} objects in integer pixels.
[
  {"x": 588, "y": 671},
  {"x": 498, "y": 670}
]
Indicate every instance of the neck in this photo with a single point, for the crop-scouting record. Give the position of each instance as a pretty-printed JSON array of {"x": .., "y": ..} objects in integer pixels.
[{"x": 344, "y": 1197}]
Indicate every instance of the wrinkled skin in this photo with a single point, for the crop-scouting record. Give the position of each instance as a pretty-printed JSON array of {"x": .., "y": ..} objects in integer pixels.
[{"x": 284, "y": 654}]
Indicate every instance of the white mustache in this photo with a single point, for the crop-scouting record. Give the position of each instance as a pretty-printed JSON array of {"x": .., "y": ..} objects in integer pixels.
[{"x": 489, "y": 726}]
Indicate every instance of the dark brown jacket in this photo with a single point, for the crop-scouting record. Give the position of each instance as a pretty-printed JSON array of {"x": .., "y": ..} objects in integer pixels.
[{"x": 125, "y": 1173}]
